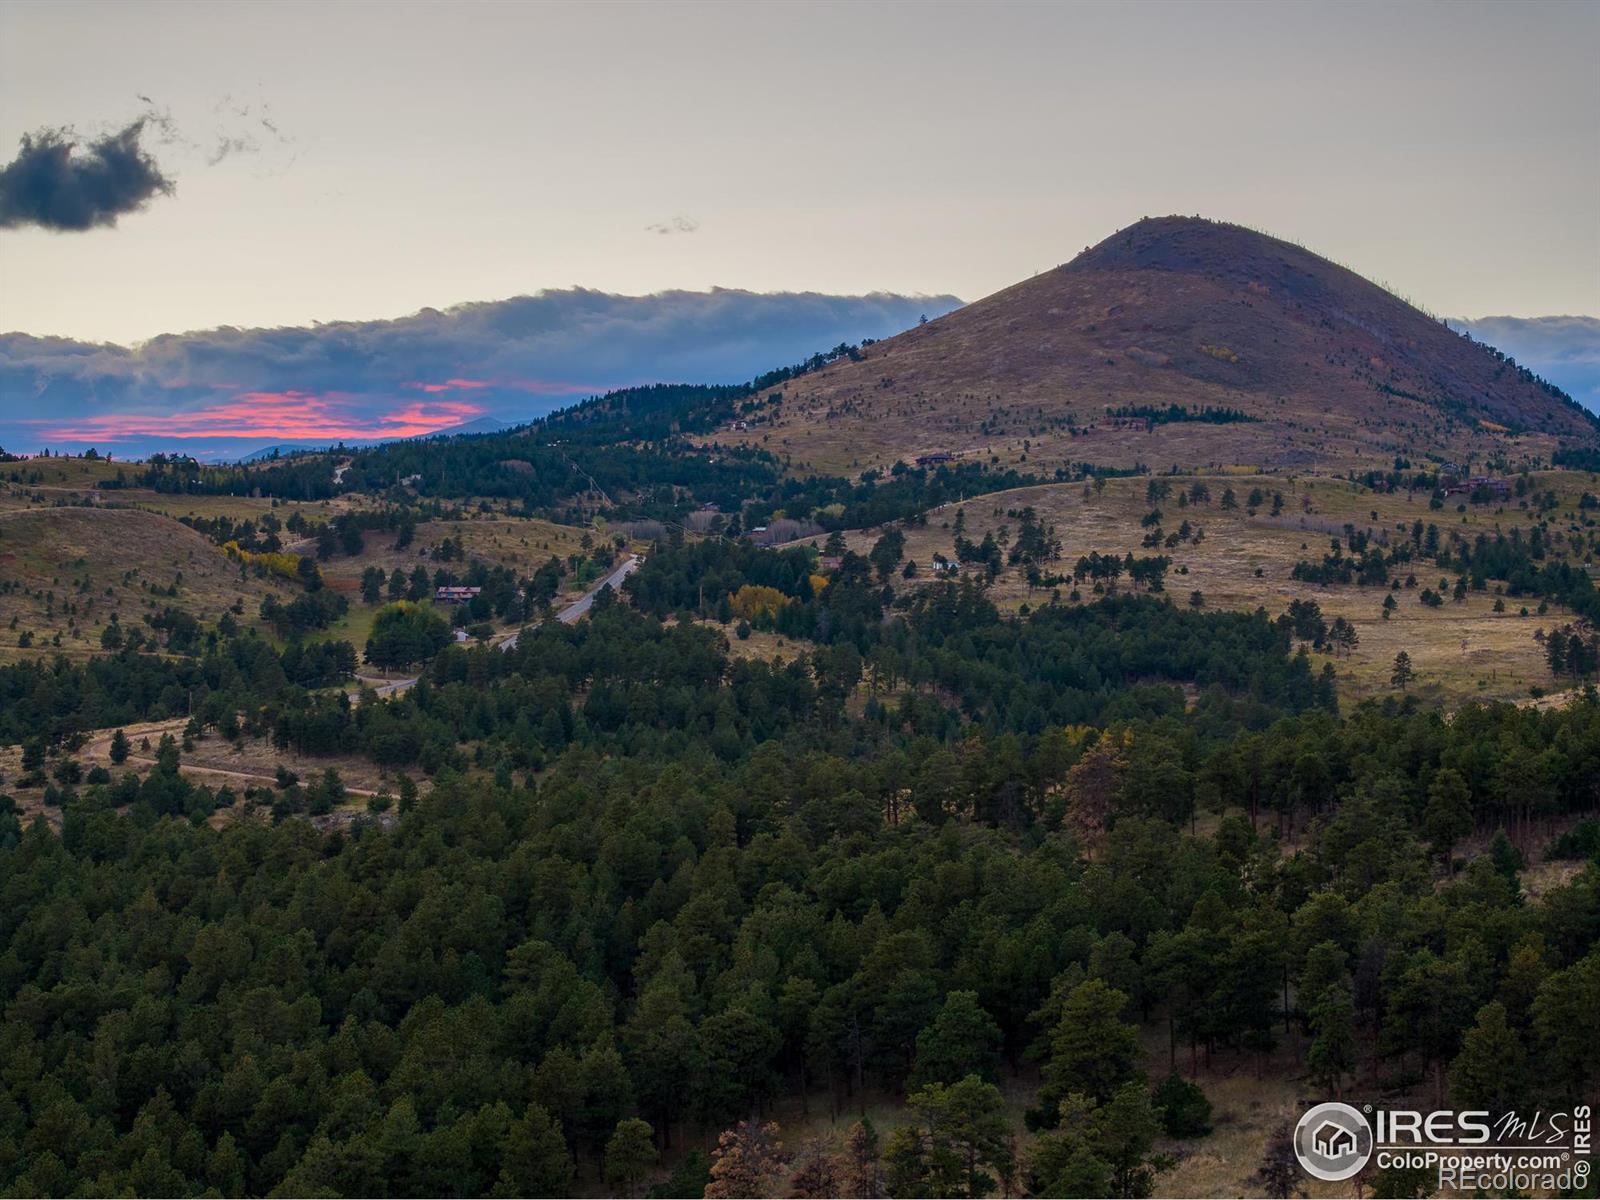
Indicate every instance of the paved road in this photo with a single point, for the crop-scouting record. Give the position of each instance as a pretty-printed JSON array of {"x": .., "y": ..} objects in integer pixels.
[
  {"x": 568, "y": 615},
  {"x": 614, "y": 581},
  {"x": 390, "y": 688},
  {"x": 583, "y": 603}
]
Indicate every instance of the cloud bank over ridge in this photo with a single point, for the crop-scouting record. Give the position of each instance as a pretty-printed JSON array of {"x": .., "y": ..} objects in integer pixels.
[
  {"x": 225, "y": 392},
  {"x": 1565, "y": 350}
]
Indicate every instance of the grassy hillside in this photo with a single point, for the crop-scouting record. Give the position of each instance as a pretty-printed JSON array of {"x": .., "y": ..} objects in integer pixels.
[
  {"x": 67, "y": 570},
  {"x": 1326, "y": 367},
  {"x": 66, "y": 529},
  {"x": 1462, "y": 650}
]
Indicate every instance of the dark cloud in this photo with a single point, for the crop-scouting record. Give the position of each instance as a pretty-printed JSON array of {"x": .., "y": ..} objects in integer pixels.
[
  {"x": 62, "y": 182},
  {"x": 56, "y": 182},
  {"x": 511, "y": 360},
  {"x": 1564, "y": 350},
  {"x": 676, "y": 225}
]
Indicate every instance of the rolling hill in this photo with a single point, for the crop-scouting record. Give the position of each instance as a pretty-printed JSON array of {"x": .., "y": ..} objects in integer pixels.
[
  {"x": 1301, "y": 362},
  {"x": 70, "y": 568}
]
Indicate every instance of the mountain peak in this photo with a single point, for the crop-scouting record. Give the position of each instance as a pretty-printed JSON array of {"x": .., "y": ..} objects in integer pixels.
[
  {"x": 1256, "y": 351},
  {"x": 1188, "y": 244}
]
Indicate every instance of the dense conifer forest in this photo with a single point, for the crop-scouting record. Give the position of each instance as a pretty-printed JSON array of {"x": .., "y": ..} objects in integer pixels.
[
  {"x": 1031, "y": 880},
  {"x": 660, "y": 895}
]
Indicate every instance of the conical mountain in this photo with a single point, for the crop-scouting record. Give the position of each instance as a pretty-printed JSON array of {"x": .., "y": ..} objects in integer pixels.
[{"x": 1299, "y": 361}]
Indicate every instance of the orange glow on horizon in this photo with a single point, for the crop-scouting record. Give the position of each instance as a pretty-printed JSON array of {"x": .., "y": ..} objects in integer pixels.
[{"x": 289, "y": 416}]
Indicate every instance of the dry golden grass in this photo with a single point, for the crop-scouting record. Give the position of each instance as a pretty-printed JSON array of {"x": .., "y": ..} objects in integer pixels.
[
  {"x": 520, "y": 543},
  {"x": 45, "y": 482},
  {"x": 761, "y": 644},
  {"x": 74, "y": 567},
  {"x": 1460, "y": 651},
  {"x": 214, "y": 762},
  {"x": 54, "y": 517},
  {"x": 1251, "y": 1100},
  {"x": 254, "y": 762}
]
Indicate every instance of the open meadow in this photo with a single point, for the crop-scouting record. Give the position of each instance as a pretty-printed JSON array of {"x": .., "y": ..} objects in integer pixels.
[{"x": 1243, "y": 560}]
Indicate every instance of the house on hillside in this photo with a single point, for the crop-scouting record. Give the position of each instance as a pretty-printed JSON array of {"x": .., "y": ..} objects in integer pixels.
[
  {"x": 455, "y": 595},
  {"x": 1499, "y": 488},
  {"x": 934, "y": 459}
]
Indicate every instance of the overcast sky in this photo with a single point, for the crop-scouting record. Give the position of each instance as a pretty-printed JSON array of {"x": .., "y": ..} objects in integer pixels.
[{"x": 374, "y": 159}]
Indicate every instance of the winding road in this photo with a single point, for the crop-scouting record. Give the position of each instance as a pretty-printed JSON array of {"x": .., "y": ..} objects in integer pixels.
[{"x": 567, "y": 616}]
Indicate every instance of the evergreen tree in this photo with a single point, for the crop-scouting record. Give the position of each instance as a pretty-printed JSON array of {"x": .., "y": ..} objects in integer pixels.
[
  {"x": 1126, "y": 1128},
  {"x": 1333, "y": 1044},
  {"x": 534, "y": 1159},
  {"x": 1403, "y": 674},
  {"x": 1091, "y": 1049},
  {"x": 958, "y": 1136},
  {"x": 862, "y": 1174},
  {"x": 1182, "y": 1107},
  {"x": 1505, "y": 856},
  {"x": 1448, "y": 816},
  {"x": 1491, "y": 1070},
  {"x": 1279, "y": 1173},
  {"x": 962, "y": 1040},
  {"x": 737, "y": 1050},
  {"x": 629, "y": 1153},
  {"x": 1563, "y": 1020}
]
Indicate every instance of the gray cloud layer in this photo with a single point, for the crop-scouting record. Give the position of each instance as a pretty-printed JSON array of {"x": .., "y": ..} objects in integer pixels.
[
  {"x": 512, "y": 359},
  {"x": 1565, "y": 350},
  {"x": 57, "y": 183}
]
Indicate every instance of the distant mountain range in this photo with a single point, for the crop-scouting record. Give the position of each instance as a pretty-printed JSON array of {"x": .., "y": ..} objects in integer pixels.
[
  {"x": 1148, "y": 317},
  {"x": 279, "y": 449},
  {"x": 224, "y": 393}
]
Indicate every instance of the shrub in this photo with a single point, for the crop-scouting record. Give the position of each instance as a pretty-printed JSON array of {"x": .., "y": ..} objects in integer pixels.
[
  {"x": 1582, "y": 841},
  {"x": 1182, "y": 1106}
]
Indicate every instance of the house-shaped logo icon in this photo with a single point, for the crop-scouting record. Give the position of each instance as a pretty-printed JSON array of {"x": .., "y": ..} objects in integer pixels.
[{"x": 1333, "y": 1140}]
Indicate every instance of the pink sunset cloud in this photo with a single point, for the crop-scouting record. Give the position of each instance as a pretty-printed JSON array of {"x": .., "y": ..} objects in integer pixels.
[{"x": 288, "y": 415}]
